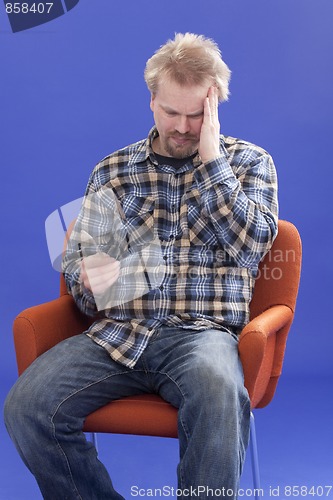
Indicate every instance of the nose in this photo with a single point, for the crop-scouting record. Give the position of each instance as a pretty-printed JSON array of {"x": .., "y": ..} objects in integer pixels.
[{"x": 183, "y": 124}]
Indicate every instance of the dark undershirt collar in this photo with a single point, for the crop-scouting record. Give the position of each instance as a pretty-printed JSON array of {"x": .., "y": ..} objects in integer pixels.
[{"x": 173, "y": 162}]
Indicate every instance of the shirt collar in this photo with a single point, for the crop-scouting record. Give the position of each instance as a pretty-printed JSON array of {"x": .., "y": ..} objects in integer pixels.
[{"x": 145, "y": 149}]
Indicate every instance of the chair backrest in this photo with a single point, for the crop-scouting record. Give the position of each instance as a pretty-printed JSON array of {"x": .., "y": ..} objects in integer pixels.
[{"x": 279, "y": 273}]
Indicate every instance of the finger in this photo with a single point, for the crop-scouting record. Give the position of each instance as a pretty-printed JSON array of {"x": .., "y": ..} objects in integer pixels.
[
  {"x": 100, "y": 281},
  {"x": 83, "y": 275},
  {"x": 99, "y": 288},
  {"x": 213, "y": 100},
  {"x": 103, "y": 275},
  {"x": 97, "y": 260},
  {"x": 99, "y": 270},
  {"x": 207, "y": 111}
]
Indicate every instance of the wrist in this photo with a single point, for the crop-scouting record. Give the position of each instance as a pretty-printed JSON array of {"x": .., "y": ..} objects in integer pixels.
[{"x": 209, "y": 158}]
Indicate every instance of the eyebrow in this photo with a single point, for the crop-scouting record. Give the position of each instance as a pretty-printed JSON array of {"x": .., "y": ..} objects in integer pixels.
[{"x": 170, "y": 110}]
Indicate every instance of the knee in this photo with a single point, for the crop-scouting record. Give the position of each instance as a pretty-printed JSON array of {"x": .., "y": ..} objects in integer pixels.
[
  {"x": 210, "y": 378},
  {"x": 218, "y": 395},
  {"x": 215, "y": 388},
  {"x": 7, "y": 409},
  {"x": 22, "y": 405},
  {"x": 12, "y": 411}
]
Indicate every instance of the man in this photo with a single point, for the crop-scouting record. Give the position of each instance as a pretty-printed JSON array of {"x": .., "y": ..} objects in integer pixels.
[{"x": 164, "y": 253}]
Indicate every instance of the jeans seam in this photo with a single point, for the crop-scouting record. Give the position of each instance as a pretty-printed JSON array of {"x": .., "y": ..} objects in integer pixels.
[
  {"x": 56, "y": 411},
  {"x": 180, "y": 420}
]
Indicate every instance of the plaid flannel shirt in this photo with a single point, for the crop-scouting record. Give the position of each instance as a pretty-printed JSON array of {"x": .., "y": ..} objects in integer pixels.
[{"x": 212, "y": 222}]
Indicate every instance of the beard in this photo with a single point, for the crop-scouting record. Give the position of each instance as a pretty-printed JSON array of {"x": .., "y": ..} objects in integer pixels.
[{"x": 181, "y": 150}]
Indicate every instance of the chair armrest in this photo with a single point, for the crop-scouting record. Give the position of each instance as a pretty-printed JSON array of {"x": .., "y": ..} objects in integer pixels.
[
  {"x": 261, "y": 347},
  {"x": 39, "y": 328}
]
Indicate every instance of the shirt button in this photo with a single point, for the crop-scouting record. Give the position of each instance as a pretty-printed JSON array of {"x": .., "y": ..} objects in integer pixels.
[{"x": 161, "y": 287}]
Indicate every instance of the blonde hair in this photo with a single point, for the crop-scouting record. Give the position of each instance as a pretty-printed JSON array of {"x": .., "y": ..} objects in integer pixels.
[{"x": 189, "y": 59}]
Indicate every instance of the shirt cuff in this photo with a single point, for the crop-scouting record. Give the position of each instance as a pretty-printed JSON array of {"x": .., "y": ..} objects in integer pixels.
[{"x": 217, "y": 171}]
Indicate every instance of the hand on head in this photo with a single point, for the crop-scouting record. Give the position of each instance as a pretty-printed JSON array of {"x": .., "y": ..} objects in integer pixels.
[{"x": 209, "y": 145}]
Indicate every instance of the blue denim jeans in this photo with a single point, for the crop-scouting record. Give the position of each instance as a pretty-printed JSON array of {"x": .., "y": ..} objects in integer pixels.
[{"x": 198, "y": 372}]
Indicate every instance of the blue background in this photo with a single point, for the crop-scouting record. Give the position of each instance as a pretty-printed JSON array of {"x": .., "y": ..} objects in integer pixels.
[{"x": 72, "y": 91}]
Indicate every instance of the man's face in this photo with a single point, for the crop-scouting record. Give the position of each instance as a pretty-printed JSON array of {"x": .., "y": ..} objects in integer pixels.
[{"x": 178, "y": 115}]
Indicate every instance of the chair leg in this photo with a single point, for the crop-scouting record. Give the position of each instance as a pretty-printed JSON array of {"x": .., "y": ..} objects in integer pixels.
[
  {"x": 93, "y": 439},
  {"x": 254, "y": 457}
]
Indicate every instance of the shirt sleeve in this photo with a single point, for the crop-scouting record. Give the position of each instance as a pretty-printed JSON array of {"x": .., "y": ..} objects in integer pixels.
[
  {"x": 240, "y": 199},
  {"x": 71, "y": 263},
  {"x": 98, "y": 228}
]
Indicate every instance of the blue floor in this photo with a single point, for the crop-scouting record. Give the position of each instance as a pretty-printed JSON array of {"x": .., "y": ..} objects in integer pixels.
[{"x": 294, "y": 433}]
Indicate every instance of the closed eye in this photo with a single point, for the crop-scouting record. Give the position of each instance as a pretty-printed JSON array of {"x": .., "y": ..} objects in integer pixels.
[
  {"x": 197, "y": 115},
  {"x": 174, "y": 113}
]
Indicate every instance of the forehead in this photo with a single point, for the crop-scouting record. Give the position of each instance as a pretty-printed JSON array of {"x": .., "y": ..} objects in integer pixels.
[{"x": 182, "y": 98}]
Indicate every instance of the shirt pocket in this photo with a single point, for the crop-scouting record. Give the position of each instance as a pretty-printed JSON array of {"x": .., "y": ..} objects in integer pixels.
[
  {"x": 195, "y": 223},
  {"x": 139, "y": 219}
]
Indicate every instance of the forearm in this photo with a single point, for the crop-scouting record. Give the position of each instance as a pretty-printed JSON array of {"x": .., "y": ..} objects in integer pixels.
[{"x": 243, "y": 208}]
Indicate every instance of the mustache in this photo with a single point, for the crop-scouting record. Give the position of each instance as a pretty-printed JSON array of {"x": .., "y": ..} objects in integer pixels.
[{"x": 177, "y": 135}]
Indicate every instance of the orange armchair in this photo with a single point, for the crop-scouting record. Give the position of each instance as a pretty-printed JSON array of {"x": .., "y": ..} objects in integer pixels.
[{"x": 261, "y": 344}]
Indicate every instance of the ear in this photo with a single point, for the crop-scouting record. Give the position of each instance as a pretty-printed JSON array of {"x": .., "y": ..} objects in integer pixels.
[{"x": 152, "y": 102}]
